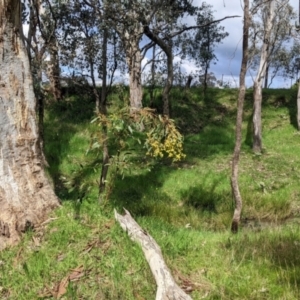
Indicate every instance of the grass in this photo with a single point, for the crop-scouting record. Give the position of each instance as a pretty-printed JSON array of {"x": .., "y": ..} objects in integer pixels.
[{"x": 186, "y": 206}]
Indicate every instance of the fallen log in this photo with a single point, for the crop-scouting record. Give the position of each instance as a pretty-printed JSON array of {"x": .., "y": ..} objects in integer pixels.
[{"x": 167, "y": 289}]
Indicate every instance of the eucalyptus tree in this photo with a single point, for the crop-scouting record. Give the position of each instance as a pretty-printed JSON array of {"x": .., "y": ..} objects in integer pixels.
[
  {"x": 269, "y": 10},
  {"x": 80, "y": 42},
  {"x": 41, "y": 43},
  {"x": 91, "y": 48},
  {"x": 201, "y": 48},
  {"x": 281, "y": 35},
  {"x": 162, "y": 31},
  {"x": 125, "y": 17},
  {"x": 131, "y": 20},
  {"x": 161, "y": 21},
  {"x": 172, "y": 28},
  {"x": 26, "y": 195},
  {"x": 275, "y": 16},
  {"x": 42, "y": 46},
  {"x": 48, "y": 14}
]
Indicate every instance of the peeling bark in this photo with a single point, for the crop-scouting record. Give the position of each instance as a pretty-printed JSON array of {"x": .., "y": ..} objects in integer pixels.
[
  {"x": 25, "y": 193},
  {"x": 167, "y": 289}
]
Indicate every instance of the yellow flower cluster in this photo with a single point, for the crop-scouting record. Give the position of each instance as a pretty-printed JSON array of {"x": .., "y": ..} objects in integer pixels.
[
  {"x": 156, "y": 148},
  {"x": 170, "y": 144},
  {"x": 173, "y": 146}
]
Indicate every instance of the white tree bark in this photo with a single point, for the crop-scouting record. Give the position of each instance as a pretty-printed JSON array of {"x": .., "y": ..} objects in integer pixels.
[
  {"x": 261, "y": 73},
  {"x": 25, "y": 193},
  {"x": 167, "y": 289}
]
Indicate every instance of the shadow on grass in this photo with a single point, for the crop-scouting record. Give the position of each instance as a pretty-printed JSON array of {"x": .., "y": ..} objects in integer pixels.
[
  {"x": 213, "y": 140},
  {"x": 204, "y": 197},
  {"x": 202, "y": 206},
  {"x": 62, "y": 122},
  {"x": 141, "y": 194}
]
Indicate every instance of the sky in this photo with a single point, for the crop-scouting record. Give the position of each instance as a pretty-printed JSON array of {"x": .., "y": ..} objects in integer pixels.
[{"x": 230, "y": 51}]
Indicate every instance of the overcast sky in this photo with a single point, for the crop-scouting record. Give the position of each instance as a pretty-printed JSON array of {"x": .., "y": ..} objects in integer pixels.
[{"x": 229, "y": 52}]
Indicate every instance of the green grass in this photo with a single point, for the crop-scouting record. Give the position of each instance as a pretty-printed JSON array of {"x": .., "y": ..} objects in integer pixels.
[{"x": 186, "y": 206}]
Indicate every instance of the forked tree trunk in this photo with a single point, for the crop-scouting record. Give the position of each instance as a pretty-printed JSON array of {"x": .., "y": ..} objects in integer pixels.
[
  {"x": 238, "y": 133},
  {"x": 166, "y": 46},
  {"x": 167, "y": 288},
  {"x": 261, "y": 73},
  {"x": 25, "y": 193}
]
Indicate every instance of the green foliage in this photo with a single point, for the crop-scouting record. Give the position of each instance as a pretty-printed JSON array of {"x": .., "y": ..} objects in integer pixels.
[{"x": 143, "y": 130}]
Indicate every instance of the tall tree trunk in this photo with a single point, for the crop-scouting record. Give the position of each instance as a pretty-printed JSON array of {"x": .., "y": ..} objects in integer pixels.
[
  {"x": 238, "y": 133},
  {"x": 103, "y": 110},
  {"x": 134, "y": 61},
  {"x": 53, "y": 69},
  {"x": 94, "y": 86},
  {"x": 168, "y": 85},
  {"x": 257, "y": 89},
  {"x": 298, "y": 106},
  {"x": 25, "y": 193}
]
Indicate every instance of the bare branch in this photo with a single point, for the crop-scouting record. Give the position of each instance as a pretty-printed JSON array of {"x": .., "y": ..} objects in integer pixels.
[{"x": 200, "y": 26}]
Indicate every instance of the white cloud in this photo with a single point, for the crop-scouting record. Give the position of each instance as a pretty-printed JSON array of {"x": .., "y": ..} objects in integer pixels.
[
  {"x": 189, "y": 67},
  {"x": 229, "y": 52}
]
